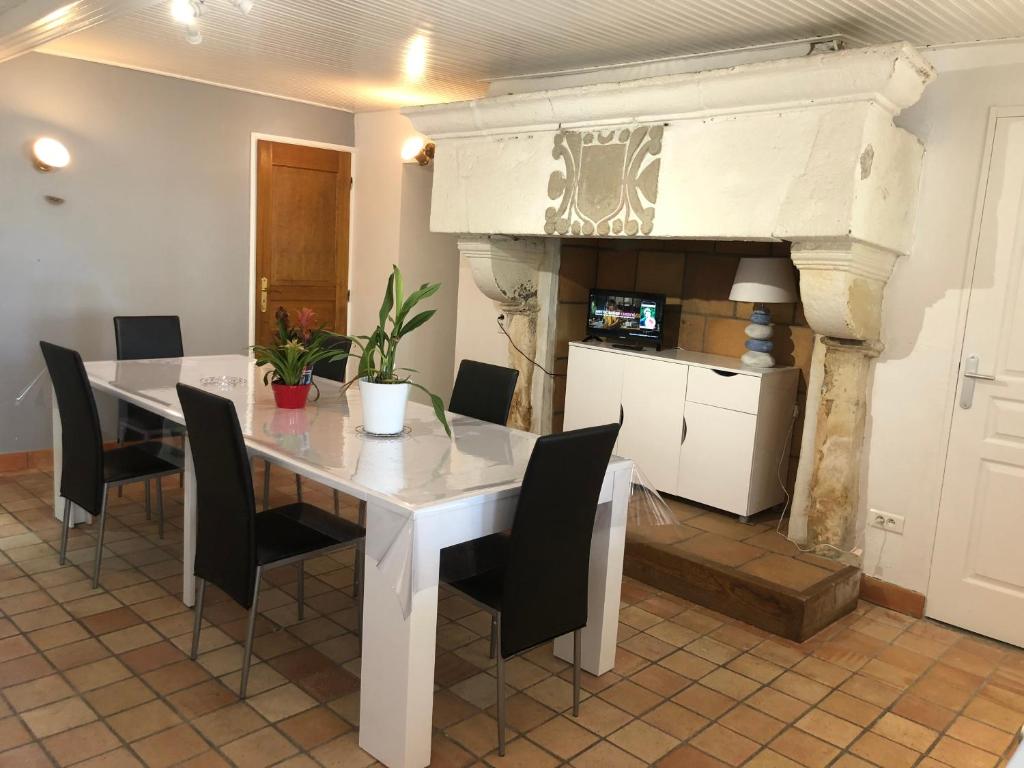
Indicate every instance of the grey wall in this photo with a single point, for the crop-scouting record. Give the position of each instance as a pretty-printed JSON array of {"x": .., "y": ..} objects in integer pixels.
[{"x": 156, "y": 219}]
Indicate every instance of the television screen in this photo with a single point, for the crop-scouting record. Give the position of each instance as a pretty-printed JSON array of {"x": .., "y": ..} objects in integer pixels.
[{"x": 635, "y": 317}]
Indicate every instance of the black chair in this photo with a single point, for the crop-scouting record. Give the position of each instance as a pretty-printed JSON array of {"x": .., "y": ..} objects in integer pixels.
[
  {"x": 537, "y": 586},
  {"x": 483, "y": 391},
  {"x": 325, "y": 369},
  {"x": 146, "y": 337},
  {"x": 234, "y": 544},
  {"x": 87, "y": 471}
]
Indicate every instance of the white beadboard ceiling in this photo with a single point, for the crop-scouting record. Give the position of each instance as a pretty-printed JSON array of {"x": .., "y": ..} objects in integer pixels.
[{"x": 350, "y": 53}]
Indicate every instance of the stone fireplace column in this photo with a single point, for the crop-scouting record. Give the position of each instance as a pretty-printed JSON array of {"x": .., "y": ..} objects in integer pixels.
[
  {"x": 841, "y": 286},
  {"x": 516, "y": 274}
]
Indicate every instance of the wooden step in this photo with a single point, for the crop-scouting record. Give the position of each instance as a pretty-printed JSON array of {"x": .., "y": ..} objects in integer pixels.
[{"x": 776, "y": 608}]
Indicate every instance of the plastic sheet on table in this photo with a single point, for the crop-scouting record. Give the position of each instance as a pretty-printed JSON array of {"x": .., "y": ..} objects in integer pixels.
[{"x": 647, "y": 508}]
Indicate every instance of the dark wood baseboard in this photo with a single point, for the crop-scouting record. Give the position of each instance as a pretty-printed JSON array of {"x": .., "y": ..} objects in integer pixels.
[
  {"x": 892, "y": 596},
  {"x": 795, "y": 615}
]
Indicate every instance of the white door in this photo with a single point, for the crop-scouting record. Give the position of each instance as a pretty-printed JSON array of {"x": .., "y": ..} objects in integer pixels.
[
  {"x": 977, "y": 579},
  {"x": 716, "y": 456},
  {"x": 593, "y": 388},
  {"x": 653, "y": 397}
]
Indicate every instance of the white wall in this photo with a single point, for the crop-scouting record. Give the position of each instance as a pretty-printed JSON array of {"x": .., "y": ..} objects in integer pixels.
[
  {"x": 156, "y": 218},
  {"x": 915, "y": 378},
  {"x": 390, "y": 225}
]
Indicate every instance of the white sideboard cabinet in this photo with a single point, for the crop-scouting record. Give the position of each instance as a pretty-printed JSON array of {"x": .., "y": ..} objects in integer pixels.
[{"x": 704, "y": 427}]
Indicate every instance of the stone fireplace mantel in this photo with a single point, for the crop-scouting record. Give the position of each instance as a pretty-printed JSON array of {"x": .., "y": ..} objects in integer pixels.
[{"x": 802, "y": 149}]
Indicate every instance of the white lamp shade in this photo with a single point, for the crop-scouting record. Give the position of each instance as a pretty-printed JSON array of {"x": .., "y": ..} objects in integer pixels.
[{"x": 764, "y": 281}]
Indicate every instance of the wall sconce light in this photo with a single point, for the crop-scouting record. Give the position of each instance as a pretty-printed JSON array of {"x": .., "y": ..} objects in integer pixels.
[
  {"x": 419, "y": 150},
  {"x": 49, "y": 154}
]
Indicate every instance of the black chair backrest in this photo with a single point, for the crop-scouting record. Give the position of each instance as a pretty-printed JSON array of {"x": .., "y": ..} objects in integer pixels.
[
  {"x": 81, "y": 478},
  {"x": 333, "y": 369},
  {"x": 225, "y": 506},
  {"x": 142, "y": 337},
  {"x": 548, "y": 568},
  {"x": 483, "y": 391}
]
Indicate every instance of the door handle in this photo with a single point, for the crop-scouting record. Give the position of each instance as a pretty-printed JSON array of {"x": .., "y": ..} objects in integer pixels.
[
  {"x": 971, "y": 375},
  {"x": 622, "y": 415},
  {"x": 264, "y": 285},
  {"x": 682, "y": 439}
]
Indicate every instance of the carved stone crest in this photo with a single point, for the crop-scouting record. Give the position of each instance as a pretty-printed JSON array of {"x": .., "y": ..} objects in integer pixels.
[{"x": 610, "y": 182}]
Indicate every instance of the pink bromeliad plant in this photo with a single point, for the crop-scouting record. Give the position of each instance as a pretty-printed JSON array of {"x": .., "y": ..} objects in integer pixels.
[{"x": 295, "y": 348}]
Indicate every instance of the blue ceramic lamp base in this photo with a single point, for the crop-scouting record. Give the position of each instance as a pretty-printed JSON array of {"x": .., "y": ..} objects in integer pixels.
[{"x": 759, "y": 339}]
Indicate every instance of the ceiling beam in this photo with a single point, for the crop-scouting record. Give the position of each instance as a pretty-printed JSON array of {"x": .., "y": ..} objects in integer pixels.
[{"x": 31, "y": 23}]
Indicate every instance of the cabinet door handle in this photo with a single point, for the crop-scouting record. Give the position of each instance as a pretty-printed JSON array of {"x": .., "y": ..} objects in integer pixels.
[
  {"x": 682, "y": 439},
  {"x": 622, "y": 415}
]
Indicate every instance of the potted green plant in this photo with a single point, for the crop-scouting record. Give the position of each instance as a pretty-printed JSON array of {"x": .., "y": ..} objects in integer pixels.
[
  {"x": 383, "y": 386},
  {"x": 291, "y": 356}
]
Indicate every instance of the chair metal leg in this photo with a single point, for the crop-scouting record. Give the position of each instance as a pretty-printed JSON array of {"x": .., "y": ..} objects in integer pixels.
[
  {"x": 576, "y": 653},
  {"x": 149, "y": 508},
  {"x": 357, "y": 571},
  {"x": 298, "y": 488},
  {"x": 266, "y": 485},
  {"x": 501, "y": 694},
  {"x": 99, "y": 540},
  {"x": 494, "y": 635},
  {"x": 300, "y": 593},
  {"x": 247, "y": 658},
  {"x": 337, "y": 503},
  {"x": 64, "y": 531},
  {"x": 160, "y": 506},
  {"x": 196, "y": 624}
]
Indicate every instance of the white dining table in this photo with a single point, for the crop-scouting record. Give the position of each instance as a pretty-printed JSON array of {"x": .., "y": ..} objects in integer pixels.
[{"x": 423, "y": 491}]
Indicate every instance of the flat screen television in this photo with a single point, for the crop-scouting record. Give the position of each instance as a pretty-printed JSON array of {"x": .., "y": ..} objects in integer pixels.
[{"x": 633, "y": 318}]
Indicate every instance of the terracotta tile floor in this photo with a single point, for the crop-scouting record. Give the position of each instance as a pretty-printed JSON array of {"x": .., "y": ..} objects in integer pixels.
[
  {"x": 754, "y": 548},
  {"x": 99, "y": 678}
]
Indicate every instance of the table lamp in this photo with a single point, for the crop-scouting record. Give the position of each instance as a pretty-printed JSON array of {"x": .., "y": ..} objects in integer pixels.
[{"x": 762, "y": 281}]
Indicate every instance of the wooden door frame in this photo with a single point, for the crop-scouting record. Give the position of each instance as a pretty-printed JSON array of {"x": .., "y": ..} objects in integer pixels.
[
  {"x": 255, "y": 139},
  {"x": 995, "y": 114}
]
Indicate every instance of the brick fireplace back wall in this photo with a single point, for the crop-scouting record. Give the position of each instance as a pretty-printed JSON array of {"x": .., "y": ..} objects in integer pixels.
[{"x": 695, "y": 276}]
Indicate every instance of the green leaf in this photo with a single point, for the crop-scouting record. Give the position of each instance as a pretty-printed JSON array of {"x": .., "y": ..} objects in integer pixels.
[
  {"x": 438, "y": 404},
  {"x": 417, "y": 321},
  {"x": 424, "y": 291},
  {"x": 398, "y": 284},
  {"x": 388, "y": 303}
]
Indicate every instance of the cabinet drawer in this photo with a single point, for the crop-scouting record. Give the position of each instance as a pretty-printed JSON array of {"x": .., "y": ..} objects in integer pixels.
[{"x": 723, "y": 389}]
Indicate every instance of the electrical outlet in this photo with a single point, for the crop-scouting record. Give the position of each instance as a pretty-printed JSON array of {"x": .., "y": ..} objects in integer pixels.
[{"x": 886, "y": 521}]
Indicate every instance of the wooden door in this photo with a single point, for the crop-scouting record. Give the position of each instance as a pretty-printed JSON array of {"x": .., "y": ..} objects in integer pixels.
[
  {"x": 653, "y": 396},
  {"x": 302, "y": 232},
  {"x": 977, "y": 574}
]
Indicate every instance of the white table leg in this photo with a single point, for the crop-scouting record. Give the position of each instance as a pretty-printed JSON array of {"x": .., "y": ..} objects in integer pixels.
[
  {"x": 600, "y": 636},
  {"x": 78, "y": 515},
  {"x": 188, "y": 578},
  {"x": 396, "y": 697}
]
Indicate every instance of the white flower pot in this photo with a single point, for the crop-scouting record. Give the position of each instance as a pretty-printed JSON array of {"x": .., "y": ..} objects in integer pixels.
[{"x": 383, "y": 407}]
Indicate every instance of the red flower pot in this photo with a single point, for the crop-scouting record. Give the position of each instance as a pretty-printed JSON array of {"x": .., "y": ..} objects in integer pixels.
[{"x": 290, "y": 396}]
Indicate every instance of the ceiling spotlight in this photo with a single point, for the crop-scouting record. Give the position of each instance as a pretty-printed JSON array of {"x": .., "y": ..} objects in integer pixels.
[
  {"x": 245, "y": 6},
  {"x": 49, "y": 154},
  {"x": 416, "y": 58},
  {"x": 193, "y": 35},
  {"x": 185, "y": 11}
]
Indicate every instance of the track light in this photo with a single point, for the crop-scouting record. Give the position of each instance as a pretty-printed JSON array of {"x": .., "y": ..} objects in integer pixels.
[{"x": 187, "y": 12}]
